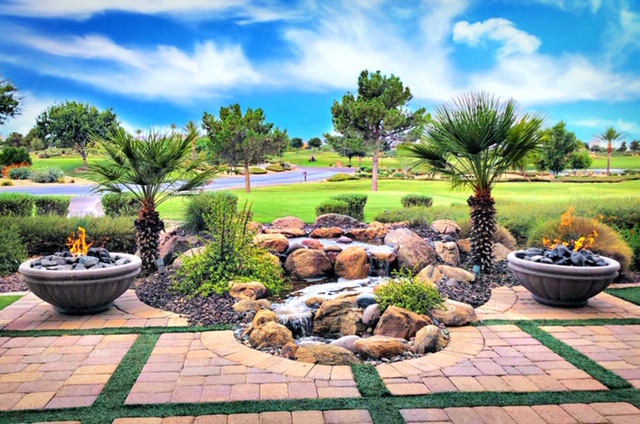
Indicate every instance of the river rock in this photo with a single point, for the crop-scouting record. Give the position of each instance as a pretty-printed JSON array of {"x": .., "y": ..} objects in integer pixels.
[
  {"x": 378, "y": 347},
  {"x": 336, "y": 220},
  {"x": 376, "y": 230},
  {"x": 464, "y": 245},
  {"x": 264, "y": 316},
  {"x": 174, "y": 245},
  {"x": 445, "y": 226},
  {"x": 429, "y": 339},
  {"x": 324, "y": 232},
  {"x": 252, "y": 291},
  {"x": 334, "y": 248},
  {"x": 338, "y": 316},
  {"x": 326, "y": 354},
  {"x": 245, "y": 305},
  {"x": 371, "y": 315},
  {"x": 458, "y": 274},
  {"x": 499, "y": 252},
  {"x": 287, "y": 232},
  {"x": 400, "y": 323},
  {"x": 293, "y": 247},
  {"x": 276, "y": 242},
  {"x": 448, "y": 252},
  {"x": 312, "y": 244},
  {"x": 365, "y": 299},
  {"x": 455, "y": 314},
  {"x": 308, "y": 263},
  {"x": 346, "y": 342},
  {"x": 315, "y": 301},
  {"x": 413, "y": 252},
  {"x": 270, "y": 334},
  {"x": 288, "y": 222},
  {"x": 352, "y": 263}
]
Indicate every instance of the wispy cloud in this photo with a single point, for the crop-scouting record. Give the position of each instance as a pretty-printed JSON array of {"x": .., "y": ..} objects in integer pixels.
[
  {"x": 499, "y": 30},
  {"x": 32, "y": 106},
  {"x": 577, "y": 6},
  {"x": 600, "y": 125}
]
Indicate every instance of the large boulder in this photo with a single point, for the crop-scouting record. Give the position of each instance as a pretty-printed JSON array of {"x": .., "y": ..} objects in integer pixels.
[
  {"x": 287, "y": 232},
  {"x": 174, "y": 245},
  {"x": 455, "y": 314},
  {"x": 324, "y": 232},
  {"x": 346, "y": 342},
  {"x": 326, "y": 354},
  {"x": 270, "y": 334},
  {"x": 376, "y": 230},
  {"x": 246, "y": 305},
  {"x": 445, "y": 226},
  {"x": 336, "y": 220},
  {"x": 308, "y": 263},
  {"x": 448, "y": 252},
  {"x": 413, "y": 252},
  {"x": 352, "y": 263},
  {"x": 429, "y": 339},
  {"x": 177, "y": 262},
  {"x": 378, "y": 347},
  {"x": 264, "y": 316},
  {"x": 288, "y": 222},
  {"x": 338, "y": 316},
  {"x": 251, "y": 291},
  {"x": 277, "y": 242},
  {"x": 400, "y": 323},
  {"x": 432, "y": 274},
  {"x": 312, "y": 244},
  {"x": 499, "y": 252}
]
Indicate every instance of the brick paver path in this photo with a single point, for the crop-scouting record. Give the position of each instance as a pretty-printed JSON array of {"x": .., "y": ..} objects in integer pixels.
[
  {"x": 517, "y": 303},
  {"x": 57, "y": 372},
  {"x": 615, "y": 347},
  {"x": 298, "y": 417},
  {"x": 509, "y": 360},
  {"x": 568, "y": 413},
  {"x": 31, "y": 313}
]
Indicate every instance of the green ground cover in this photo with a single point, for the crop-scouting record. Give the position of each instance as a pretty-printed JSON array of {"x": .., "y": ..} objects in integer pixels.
[
  {"x": 631, "y": 294},
  {"x": 8, "y": 300},
  {"x": 68, "y": 164}
]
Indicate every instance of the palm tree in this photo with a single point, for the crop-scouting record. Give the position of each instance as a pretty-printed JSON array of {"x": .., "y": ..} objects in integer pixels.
[
  {"x": 152, "y": 168},
  {"x": 474, "y": 140},
  {"x": 610, "y": 135}
]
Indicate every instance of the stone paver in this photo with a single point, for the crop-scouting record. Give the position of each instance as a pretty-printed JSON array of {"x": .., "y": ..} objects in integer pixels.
[
  {"x": 615, "y": 347},
  {"x": 507, "y": 360},
  {"x": 517, "y": 303},
  {"x": 215, "y": 367},
  {"x": 57, "y": 372},
  {"x": 31, "y": 313},
  {"x": 610, "y": 412},
  {"x": 298, "y": 417}
]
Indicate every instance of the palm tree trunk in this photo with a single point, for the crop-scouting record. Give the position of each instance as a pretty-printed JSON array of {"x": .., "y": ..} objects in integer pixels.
[
  {"x": 374, "y": 175},
  {"x": 483, "y": 227},
  {"x": 247, "y": 178},
  {"x": 609, "y": 149},
  {"x": 148, "y": 227}
]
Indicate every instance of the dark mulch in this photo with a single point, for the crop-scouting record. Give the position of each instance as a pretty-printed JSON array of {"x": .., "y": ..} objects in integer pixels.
[{"x": 12, "y": 283}]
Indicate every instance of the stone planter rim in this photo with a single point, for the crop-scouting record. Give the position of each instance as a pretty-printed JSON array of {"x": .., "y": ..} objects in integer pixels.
[
  {"x": 577, "y": 271},
  {"x": 83, "y": 274}
]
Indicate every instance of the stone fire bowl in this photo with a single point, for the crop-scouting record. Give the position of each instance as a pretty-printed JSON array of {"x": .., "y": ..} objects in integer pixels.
[
  {"x": 85, "y": 291},
  {"x": 563, "y": 286}
]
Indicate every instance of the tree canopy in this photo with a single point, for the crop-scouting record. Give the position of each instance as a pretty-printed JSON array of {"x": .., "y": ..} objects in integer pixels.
[
  {"x": 556, "y": 147},
  {"x": 314, "y": 142},
  {"x": 346, "y": 146},
  {"x": 10, "y": 101}
]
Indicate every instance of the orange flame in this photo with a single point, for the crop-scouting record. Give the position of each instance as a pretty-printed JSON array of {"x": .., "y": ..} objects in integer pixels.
[
  {"x": 78, "y": 245},
  {"x": 583, "y": 242}
]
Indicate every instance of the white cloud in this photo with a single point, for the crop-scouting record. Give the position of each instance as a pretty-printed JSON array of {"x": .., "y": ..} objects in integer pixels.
[
  {"x": 576, "y": 6},
  {"x": 600, "y": 125},
  {"x": 498, "y": 30},
  {"x": 32, "y": 106}
]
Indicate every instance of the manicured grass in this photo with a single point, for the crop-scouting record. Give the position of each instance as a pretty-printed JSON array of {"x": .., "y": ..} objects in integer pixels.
[
  {"x": 329, "y": 159},
  {"x": 68, "y": 164},
  {"x": 631, "y": 294},
  {"x": 617, "y": 162},
  {"x": 8, "y": 300},
  {"x": 269, "y": 203}
]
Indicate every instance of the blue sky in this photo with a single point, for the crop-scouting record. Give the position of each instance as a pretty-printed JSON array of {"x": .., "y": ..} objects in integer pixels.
[{"x": 158, "y": 62}]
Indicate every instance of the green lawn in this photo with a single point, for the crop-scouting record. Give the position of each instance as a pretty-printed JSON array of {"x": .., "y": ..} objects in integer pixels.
[
  {"x": 631, "y": 294},
  {"x": 300, "y": 200},
  {"x": 7, "y": 300},
  {"x": 68, "y": 164},
  {"x": 617, "y": 162}
]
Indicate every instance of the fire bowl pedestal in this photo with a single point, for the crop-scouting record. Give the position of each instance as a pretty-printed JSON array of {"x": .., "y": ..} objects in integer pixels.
[
  {"x": 560, "y": 285},
  {"x": 81, "y": 292}
]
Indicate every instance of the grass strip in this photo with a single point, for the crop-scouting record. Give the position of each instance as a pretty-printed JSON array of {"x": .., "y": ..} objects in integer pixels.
[
  {"x": 630, "y": 294},
  {"x": 8, "y": 300},
  {"x": 368, "y": 380},
  {"x": 562, "y": 322},
  {"x": 114, "y": 330},
  {"x": 574, "y": 357}
]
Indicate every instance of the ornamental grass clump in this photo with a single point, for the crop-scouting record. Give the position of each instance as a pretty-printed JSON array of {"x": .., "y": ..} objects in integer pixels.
[{"x": 408, "y": 292}]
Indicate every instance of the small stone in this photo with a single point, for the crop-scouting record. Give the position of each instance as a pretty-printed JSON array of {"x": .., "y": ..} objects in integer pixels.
[
  {"x": 365, "y": 299},
  {"x": 80, "y": 267},
  {"x": 577, "y": 259},
  {"x": 344, "y": 240},
  {"x": 89, "y": 261}
]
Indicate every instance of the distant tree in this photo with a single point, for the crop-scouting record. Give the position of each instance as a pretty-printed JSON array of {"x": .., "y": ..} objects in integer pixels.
[
  {"x": 595, "y": 149},
  {"x": 346, "y": 146},
  {"x": 634, "y": 146},
  {"x": 610, "y": 135},
  {"x": 557, "y": 145},
  {"x": 377, "y": 114},
  {"x": 580, "y": 159},
  {"x": 31, "y": 140},
  {"x": 296, "y": 143},
  {"x": 623, "y": 147},
  {"x": 586, "y": 146},
  {"x": 14, "y": 139},
  {"x": 72, "y": 124},
  {"x": 238, "y": 139},
  {"x": 10, "y": 101},
  {"x": 314, "y": 142}
]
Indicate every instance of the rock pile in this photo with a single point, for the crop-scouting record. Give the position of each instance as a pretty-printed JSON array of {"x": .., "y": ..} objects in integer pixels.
[
  {"x": 96, "y": 258},
  {"x": 561, "y": 255}
]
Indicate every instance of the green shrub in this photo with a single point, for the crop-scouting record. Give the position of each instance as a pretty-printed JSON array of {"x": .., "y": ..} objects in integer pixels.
[
  {"x": 632, "y": 237},
  {"x": 47, "y": 234},
  {"x": 255, "y": 170},
  {"x": 355, "y": 204},
  {"x": 206, "y": 203},
  {"x": 275, "y": 168},
  {"x": 16, "y": 204},
  {"x": 341, "y": 177},
  {"x": 332, "y": 206},
  {"x": 52, "y": 205},
  {"x": 14, "y": 155},
  {"x": 48, "y": 175},
  {"x": 416, "y": 217},
  {"x": 12, "y": 250},
  {"x": 406, "y": 291},
  {"x": 398, "y": 175},
  {"x": 412, "y": 200},
  {"x": 20, "y": 173},
  {"x": 363, "y": 175},
  {"x": 120, "y": 204},
  {"x": 230, "y": 256}
]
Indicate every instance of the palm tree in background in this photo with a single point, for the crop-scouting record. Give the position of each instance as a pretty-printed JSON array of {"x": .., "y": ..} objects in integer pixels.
[
  {"x": 610, "y": 135},
  {"x": 473, "y": 140},
  {"x": 153, "y": 168}
]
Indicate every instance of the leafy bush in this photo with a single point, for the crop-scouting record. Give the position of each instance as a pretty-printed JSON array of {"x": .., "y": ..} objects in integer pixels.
[
  {"x": 363, "y": 175},
  {"x": 120, "y": 204},
  {"x": 275, "y": 168},
  {"x": 206, "y": 203},
  {"x": 19, "y": 173},
  {"x": 52, "y": 205},
  {"x": 412, "y": 200},
  {"x": 12, "y": 250},
  {"x": 632, "y": 237},
  {"x": 16, "y": 204},
  {"x": 48, "y": 175},
  {"x": 230, "y": 256},
  {"x": 255, "y": 170},
  {"x": 417, "y": 217},
  {"x": 406, "y": 291},
  {"x": 13, "y": 155},
  {"x": 47, "y": 234},
  {"x": 332, "y": 206},
  {"x": 355, "y": 204},
  {"x": 341, "y": 177},
  {"x": 607, "y": 243}
]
